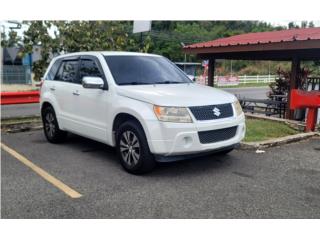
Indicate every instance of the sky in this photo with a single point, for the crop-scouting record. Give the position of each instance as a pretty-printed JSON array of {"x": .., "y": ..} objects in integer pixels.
[{"x": 5, "y": 25}]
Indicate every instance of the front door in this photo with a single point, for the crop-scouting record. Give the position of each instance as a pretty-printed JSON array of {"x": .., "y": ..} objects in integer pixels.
[{"x": 90, "y": 106}]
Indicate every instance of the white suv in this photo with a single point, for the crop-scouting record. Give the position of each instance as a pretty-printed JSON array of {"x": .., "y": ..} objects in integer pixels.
[{"x": 142, "y": 104}]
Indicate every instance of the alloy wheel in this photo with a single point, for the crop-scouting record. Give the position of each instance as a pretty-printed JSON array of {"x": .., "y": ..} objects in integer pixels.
[
  {"x": 130, "y": 148},
  {"x": 50, "y": 124}
]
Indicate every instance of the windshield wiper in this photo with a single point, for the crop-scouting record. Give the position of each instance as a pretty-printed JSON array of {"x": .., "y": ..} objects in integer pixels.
[
  {"x": 168, "y": 82},
  {"x": 135, "y": 83}
]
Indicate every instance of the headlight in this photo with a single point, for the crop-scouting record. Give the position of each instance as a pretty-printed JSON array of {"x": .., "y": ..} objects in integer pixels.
[
  {"x": 237, "y": 108},
  {"x": 172, "y": 114}
]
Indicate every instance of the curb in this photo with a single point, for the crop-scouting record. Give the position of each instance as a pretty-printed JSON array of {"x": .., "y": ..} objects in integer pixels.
[
  {"x": 15, "y": 125},
  {"x": 278, "y": 141},
  {"x": 20, "y": 117}
]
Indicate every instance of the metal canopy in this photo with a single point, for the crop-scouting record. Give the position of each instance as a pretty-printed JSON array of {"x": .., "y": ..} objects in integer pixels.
[
  {"x": 293, "y": 45},
  {"x": 275, "y": 45}
]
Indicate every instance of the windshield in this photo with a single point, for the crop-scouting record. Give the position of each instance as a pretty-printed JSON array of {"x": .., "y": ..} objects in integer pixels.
[{"x": 138, "y": 70}]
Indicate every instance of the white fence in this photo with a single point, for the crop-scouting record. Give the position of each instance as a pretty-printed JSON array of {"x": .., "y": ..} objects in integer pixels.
[
  {"x": 257, "y": 79},
  {"x": 245, "y": 79}
]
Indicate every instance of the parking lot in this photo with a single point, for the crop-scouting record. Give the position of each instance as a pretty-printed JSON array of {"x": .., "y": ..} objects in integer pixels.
[{"x": 283, "y": 182}]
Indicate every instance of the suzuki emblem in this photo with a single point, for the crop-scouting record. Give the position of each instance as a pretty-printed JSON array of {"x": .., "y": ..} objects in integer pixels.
[{"x": 216, "y": 111}]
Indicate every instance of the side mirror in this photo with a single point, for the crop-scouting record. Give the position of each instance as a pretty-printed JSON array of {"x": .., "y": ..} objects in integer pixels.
[{"x": 92, "y": 82}]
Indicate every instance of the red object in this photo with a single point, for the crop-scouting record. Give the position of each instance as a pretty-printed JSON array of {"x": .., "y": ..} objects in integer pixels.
[
  {"x": 310, "y": 100},
  {"x": 20, "y": 97},
  {"x": 288, "y": 35}
]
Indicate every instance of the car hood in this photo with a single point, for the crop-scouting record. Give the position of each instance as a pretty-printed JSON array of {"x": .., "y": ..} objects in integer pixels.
[{"x": 180, "y": 95}]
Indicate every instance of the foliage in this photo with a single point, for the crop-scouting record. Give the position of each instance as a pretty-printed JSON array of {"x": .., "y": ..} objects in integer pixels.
[
  {"x": 38, "y": 35},
  {"x": 282, "y": 83},
  {"x": 166, "y": 38},
  {"x": 74, "y": 36},
  {"x": 13, "y": 40}
]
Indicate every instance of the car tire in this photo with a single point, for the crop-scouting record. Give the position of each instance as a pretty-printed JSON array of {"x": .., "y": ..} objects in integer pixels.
[
  {"x": 51, "y": 127},
  {"x": 133, "y": 149}
]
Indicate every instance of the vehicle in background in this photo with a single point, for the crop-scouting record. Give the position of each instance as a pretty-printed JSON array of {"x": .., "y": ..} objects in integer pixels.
[{"x": 192, "y": 69}]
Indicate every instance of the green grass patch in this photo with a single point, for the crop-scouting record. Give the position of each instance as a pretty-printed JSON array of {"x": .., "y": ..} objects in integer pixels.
[
  {"x": 21, "y": 120},
  {"x": 260, "y": 130}
]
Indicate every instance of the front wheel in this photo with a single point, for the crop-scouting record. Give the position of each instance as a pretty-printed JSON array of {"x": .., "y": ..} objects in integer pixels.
[{"x": 133, "y": 150}]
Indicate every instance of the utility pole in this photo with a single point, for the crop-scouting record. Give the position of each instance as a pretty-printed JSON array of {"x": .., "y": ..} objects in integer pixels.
[{"x": 185, "y": 57}]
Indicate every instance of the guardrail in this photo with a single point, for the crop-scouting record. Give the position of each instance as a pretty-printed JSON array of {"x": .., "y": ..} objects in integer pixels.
[{"x": 19, "y": 97}]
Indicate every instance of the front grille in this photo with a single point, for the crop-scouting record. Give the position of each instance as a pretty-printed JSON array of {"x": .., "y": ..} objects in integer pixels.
[
  {"x": 218, "y": 135},
  {"x": 212, "y": 112}
]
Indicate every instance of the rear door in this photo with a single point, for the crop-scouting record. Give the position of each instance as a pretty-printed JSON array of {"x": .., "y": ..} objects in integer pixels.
[{"x": 64, "y": 81}]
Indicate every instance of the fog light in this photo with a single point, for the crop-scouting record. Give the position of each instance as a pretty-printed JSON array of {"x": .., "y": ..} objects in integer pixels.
[{"x": 187, "y": 141}]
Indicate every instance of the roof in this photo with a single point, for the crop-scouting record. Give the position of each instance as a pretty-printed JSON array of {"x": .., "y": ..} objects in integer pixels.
[
  {"x": 289, "y": 35},
  {"x": 106, "y": 53},
  {"x": 280, "y": 45}
]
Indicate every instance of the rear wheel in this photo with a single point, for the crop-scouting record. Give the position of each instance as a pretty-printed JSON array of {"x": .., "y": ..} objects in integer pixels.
[
  {"x": 133, "y": 150},
  {"x": 50, "y": 126}
]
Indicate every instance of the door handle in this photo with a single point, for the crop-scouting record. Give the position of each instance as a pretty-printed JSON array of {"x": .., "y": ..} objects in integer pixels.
[
  {"x": 76, "y": 93},
  {"x": 52, "y": 88}
]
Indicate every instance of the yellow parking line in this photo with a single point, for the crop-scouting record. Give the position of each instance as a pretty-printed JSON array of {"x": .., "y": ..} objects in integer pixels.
[{"x": 51, "y": 179}]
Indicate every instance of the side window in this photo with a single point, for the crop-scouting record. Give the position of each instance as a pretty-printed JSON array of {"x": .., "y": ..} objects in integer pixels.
[
  {"x": 68, "y": 71},
  {"x": 89, "y": 67},
  {"x": 53, "y": 70}
]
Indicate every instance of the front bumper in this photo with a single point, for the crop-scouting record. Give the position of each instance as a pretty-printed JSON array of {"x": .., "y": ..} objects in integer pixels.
[{"x": 170, "y": 139}]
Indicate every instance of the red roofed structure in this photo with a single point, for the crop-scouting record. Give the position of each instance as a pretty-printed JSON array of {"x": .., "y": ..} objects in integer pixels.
[
  {"x": 293, "y": 45},
  {"x": 290, "y": 35}
]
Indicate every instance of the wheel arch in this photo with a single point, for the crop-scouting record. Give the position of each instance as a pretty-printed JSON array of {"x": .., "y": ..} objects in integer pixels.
[
  {"x": 45, "y": 105},
  {"x": 121, "y": 118}
]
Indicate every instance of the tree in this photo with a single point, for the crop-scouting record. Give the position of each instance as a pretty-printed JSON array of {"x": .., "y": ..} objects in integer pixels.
[
  {"x": 92, "y": 35},
  {"x": 12, "y": 40},
  {"x": 292, "y": 25},
  {"x": 38, "y": 35},
  {"x": 74, "y": 36},
  {"x": 311, "y": 24}
]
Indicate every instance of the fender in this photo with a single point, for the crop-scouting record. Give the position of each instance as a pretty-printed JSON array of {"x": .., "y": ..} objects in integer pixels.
[
  {"x": 142, "y": 111},
  {"x": 45, "y": 97}
]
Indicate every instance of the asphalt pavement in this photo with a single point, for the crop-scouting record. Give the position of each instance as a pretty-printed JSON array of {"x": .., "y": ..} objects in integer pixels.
[
  {"x": 20, "y": 110},
  {"x": 249, "y": 92},
  {"x": 24, "y": 110},
  {"x": 283, "y": 182}
]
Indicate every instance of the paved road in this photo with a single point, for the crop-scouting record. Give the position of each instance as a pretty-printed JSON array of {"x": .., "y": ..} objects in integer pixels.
[
  {"x": 8, "y": 111},
  {"x": 284, "y": 182},
  {"x": 250, "y": 92},
  {"x": 19, "y": 110}
]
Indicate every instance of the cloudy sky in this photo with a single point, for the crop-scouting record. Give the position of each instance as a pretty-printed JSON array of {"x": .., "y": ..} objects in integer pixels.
[{"x": 5, "y": 25}]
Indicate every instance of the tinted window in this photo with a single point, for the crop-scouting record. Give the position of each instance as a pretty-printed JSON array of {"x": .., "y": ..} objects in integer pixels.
[
  {"x": 53, "y": 70},
  {"x": 68, "y": 71},
  {"x": 89, "y": 68},
  {"x": 144, "y": 70}
]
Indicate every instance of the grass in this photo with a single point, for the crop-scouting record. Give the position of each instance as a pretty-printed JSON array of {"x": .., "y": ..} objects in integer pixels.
[
  {"x": 20, "y": 120},
  {"x": 259, "y": 130}
]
